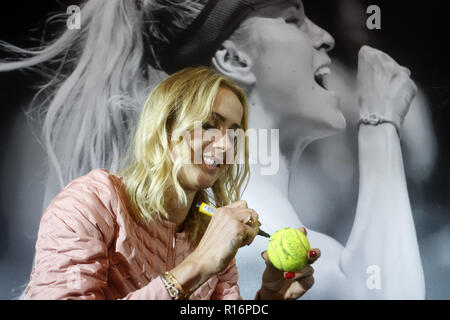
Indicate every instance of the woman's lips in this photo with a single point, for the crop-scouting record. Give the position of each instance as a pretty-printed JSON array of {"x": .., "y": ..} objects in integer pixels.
[
  {"x": 321, "y": 76},
  {"x": 210, "y": 163}
]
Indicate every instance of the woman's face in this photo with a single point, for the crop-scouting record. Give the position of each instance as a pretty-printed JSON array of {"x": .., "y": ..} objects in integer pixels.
[
  {"x": 291, "y": 66},
  {"x": 213, "y": 144}
]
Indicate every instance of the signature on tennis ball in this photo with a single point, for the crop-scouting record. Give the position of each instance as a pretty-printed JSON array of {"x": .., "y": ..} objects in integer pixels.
[{"x": 288, "y": 249}]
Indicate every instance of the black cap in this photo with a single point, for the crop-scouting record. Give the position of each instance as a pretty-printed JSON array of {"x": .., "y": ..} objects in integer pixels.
[{"x": 197, "y": 43}]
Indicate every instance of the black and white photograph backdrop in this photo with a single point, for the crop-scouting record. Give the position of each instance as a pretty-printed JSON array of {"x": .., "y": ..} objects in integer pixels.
[{"x": 374, "y": 198}]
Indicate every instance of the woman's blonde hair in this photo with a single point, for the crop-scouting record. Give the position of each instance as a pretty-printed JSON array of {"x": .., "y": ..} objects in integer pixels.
[
  {"x": 176, "y": 105},
  {"x": 98, "y": 80}
]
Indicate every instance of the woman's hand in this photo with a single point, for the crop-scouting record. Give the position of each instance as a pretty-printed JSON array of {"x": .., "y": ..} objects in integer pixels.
[
  {"x": 385, "y": 87},
  {"x": 230, "y": 228},
  {"x": 279, "y": 285}
]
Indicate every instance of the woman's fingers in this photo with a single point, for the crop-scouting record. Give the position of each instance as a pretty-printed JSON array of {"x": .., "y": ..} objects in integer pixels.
[
  {"x": 250, "y": 234},
  {"x": 313, "y": 255},
  {"x": 251, "y": 226},
  {"x": 306, "y": 271},
  {"x": 303, "y": 229},
  {"x": 298, "y": 288},
  {"x": 385, "y": 86},
  {"x": 239, "y": 213},
  {"x": 265, "y": 256},
  {"x": 230, "y": 228},
  {"x": 251, "y": 218},
  {"x": 302, "y": 281},
  {"x": 238, "y": 204},
  {"x": 246, "y": 219},
  {"x": 243, "y": 213},
  {"x": 406, "y": 70},
  {"x": 305, "y": 284},
  {"x": 293, "y": 284}
]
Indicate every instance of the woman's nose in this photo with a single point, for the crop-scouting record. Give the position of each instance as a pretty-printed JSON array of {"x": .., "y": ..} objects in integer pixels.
[
  {"x": 223, "y": 142},
  {"x": 321, "y": 38}
]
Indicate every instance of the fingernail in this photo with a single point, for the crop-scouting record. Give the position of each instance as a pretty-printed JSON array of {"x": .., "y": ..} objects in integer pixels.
[
  {"x": 312, "y": 254},
  {"x": 289, "y": 275}
]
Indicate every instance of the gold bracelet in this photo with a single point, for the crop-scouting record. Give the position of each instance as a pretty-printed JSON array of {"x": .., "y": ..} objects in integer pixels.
[{"x": 173, "y": 286}]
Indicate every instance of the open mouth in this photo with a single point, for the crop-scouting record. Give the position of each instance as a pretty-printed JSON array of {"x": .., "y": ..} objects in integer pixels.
[
  {"x": 210, "y": 162},
  {"x": 321, "y": 77}
]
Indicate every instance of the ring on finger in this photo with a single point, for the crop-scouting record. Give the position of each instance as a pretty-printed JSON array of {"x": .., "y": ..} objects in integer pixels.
[{"x": 249, "y": 220}]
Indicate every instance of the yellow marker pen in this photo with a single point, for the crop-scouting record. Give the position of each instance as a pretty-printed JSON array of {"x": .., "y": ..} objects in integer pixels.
[{"x": 209, "y": 210}]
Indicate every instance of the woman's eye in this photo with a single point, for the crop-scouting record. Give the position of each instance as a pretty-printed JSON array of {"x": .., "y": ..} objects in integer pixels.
[
  {"x": 207, "y": 126},
  {"x": 293, "y": 20}
]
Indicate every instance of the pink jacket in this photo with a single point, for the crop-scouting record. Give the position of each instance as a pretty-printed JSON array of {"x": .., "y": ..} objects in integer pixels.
[{"x": 89, "y": 246}]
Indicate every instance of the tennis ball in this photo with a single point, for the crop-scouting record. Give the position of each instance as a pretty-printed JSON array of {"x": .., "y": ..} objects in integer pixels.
[{"x": 288, "y": 249}]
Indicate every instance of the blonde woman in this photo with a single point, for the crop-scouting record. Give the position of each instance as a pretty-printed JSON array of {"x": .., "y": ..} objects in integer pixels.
[{"x": 138, "y": 235}]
